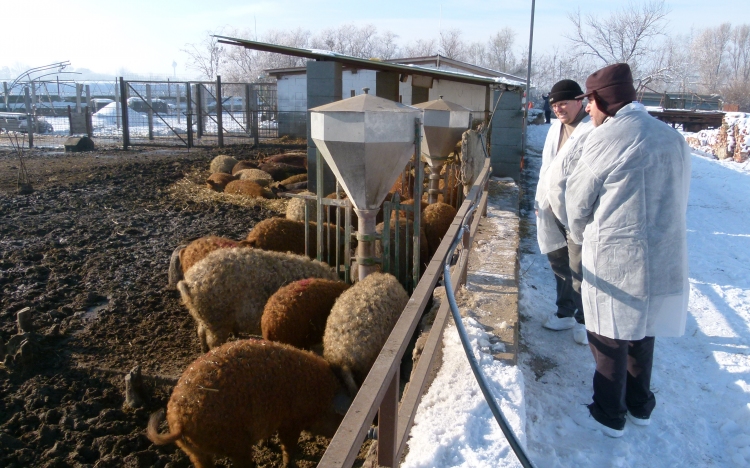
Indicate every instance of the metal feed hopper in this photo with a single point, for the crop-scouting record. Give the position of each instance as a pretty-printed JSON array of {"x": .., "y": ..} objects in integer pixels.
[
  {"x": 366, "y": 141},
  {"x": 443, "y": 124}
]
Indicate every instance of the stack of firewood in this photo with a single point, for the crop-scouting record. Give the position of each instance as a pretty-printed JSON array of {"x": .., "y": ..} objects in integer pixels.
[
  {"x": 741, "y": 139},
  {"x": 731, "y": 140}
]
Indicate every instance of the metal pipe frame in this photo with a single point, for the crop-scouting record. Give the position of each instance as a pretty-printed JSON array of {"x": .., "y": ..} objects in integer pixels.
[{"x": 373, "y": 396}]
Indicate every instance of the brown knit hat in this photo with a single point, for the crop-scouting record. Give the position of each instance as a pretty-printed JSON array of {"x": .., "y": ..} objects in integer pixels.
[{"x": 612, "y": 87}]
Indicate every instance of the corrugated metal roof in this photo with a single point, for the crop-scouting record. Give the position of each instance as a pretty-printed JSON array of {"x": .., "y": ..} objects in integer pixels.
[{"x": 372, "y": 64}]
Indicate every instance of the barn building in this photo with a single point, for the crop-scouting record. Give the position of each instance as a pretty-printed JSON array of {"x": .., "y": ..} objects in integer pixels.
[{"x": 329, "y": 77}]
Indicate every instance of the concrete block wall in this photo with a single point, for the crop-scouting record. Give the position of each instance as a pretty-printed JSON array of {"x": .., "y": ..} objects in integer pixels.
[
  {"x": 324, "y": 85},
  {"x": 292, "y": 93},
  {"x": 356, "y": 81},
  {"x": 506, "y": 134}
]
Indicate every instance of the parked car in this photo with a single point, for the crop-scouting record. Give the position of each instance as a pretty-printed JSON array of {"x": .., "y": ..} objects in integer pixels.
[
  {"x": 42, "y": 125},
  {"x": 139, "y": 105}
]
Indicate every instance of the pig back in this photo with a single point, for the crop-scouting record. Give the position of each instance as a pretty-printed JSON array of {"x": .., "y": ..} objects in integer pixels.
[{"x": 244, "y": 391}]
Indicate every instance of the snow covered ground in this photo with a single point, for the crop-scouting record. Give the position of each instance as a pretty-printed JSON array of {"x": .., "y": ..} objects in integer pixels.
[{"x": 701, "y": 380}]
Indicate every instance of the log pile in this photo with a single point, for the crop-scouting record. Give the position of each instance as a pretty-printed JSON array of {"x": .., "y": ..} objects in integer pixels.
[
  {"x": 740, "y": 139},
  {"x": 729, "y": 141}
]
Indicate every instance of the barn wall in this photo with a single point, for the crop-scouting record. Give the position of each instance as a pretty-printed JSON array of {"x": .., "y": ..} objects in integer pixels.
[{"x": 506, "y": 135}]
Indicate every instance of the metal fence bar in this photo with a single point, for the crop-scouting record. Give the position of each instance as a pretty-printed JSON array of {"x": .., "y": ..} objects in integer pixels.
[
  {"x": 345, "y": 445},
  {"x": 189, "y": 115},
  {"x": 417, "y": 197},
  {"x": 219, "y": 112},
  {"x": 199, "y": 110}
]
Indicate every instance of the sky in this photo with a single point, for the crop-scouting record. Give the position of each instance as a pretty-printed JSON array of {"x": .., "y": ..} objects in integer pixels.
[
  {"x": 146, "y": 37},
  {"x": 701, "y": 380}
]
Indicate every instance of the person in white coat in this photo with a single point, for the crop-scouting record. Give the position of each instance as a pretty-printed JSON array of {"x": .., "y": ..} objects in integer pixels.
[
  {"x": 626, "y": 203},
  {"x": 565, "y": 134}
]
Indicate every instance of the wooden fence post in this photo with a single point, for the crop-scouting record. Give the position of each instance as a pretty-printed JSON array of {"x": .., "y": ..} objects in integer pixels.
[
  {"x": 118, "y": 106},
  {"x": 29, "y": 117},
  {"x": 124, "y": 107},
  {"x": 150, "y": 103},
  {"x": 33, "y": 108},
  {"x": 88, "y": 96},
  {"x": 79, "y": 91},
  {"x": 388, "y": 422}
]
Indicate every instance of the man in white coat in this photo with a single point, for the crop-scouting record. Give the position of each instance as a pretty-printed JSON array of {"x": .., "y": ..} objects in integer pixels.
[
  {"x": 564, "y": 137},
  {"x": 626, "y": 203}
]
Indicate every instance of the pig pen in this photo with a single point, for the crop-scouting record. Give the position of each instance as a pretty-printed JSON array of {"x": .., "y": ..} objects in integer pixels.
[{"x": 88, "y": 252}]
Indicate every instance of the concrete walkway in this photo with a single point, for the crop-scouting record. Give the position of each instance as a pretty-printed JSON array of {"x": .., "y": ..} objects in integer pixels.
[{"x": 491, "y": 292}]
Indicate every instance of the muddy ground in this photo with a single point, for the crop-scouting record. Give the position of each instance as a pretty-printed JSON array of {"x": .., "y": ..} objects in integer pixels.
[{"x": 88, "y": 253}]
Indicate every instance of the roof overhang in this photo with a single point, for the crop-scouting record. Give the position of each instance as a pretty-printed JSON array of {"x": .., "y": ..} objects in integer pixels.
[{"x": 373, "y": 64}]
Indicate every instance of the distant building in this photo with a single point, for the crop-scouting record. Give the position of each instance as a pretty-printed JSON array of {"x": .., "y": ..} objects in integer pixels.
[
  {"x": 292, "y": 88},
  {"x": 329, "y": 76}
]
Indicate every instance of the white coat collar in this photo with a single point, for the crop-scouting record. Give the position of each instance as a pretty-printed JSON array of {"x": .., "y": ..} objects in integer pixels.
[{"x": 630, "y": 108}]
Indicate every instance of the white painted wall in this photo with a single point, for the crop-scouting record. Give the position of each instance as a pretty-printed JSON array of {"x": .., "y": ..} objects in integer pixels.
[
  {"x": 292, "y": 90},
  {"x": 356, "y": 81},
  {"x": 467, "y": 95},
  {"x": 292, "y": 93}
]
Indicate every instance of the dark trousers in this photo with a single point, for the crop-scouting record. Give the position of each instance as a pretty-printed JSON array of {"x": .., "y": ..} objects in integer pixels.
[
  {"x": 547, "y": 115},
  {"x": 566, "y": 265},
  {"x": 622, "y": 379}
]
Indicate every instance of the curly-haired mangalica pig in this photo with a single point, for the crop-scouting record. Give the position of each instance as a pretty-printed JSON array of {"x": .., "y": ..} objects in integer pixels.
[
  {"x": 245, "y": 391},
  {"x": 359, "y": 324},
  {"x": 226, "y": 291},
  {"x": 296, "y": 314}
]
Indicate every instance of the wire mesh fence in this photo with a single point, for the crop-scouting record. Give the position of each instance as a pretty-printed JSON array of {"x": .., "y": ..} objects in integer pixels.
[
  {"x": 197, "y": 113},
  {"x": 139, "y": 112}
]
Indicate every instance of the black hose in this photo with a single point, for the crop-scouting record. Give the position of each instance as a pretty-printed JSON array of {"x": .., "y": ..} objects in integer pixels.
[{"x": 478, "y": 374}]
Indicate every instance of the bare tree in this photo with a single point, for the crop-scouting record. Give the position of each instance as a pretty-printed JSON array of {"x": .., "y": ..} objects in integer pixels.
[
  {"x": 421, "y": 48},
  {"x": 451, "y": 44},
  {"x": 738, "y": 53},
  {"x": 243, "y": 64},
  {"x": 737, "y": 87},
  {"x": 673, "y": 57},
  {"x": 500, "y": 49},
  {"x": 626, "y": 36},
  {"x": 206, "y": 57},
  {"x": 348, "y": 40},
  {"x": 553, "y": 66},
  {"x": 386, "y": 47},
  {"x": 709, "y": 50},
  {"x": 476, "y": 53}
]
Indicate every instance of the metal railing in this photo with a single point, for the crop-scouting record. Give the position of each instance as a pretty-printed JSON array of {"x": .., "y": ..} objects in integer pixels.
[{"x": 379, "y": 393}]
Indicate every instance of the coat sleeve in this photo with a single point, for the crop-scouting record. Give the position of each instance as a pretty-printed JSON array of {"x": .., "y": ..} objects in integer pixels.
[
  {"x": 548, "y": 155},
  {"x": 582, "y": 191},
  {"x": 560, "y": 170}
]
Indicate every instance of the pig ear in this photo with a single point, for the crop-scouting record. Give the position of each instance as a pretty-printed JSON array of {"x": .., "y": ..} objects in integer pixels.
[{"x": 341, "y": 403}]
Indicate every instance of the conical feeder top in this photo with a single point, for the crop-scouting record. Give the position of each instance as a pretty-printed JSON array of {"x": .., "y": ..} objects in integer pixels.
[
  {"x": 443, "y": 124},
  {"x": 367, "y": 141}
]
